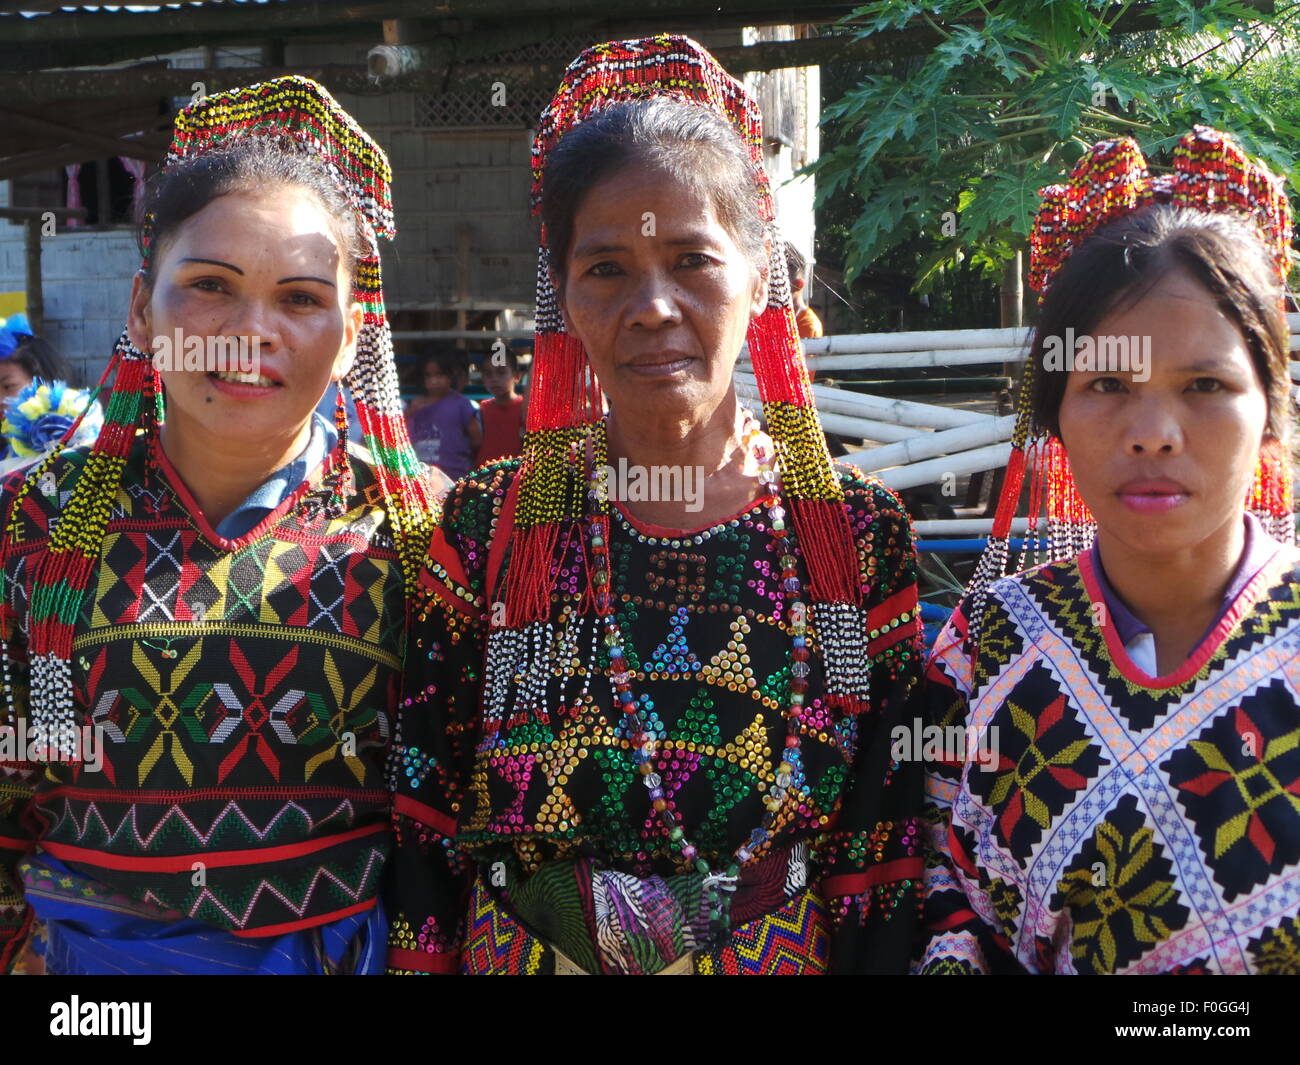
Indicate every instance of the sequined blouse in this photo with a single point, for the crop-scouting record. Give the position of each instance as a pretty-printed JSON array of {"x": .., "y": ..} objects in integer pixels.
[{"x": 512, "y": 748}]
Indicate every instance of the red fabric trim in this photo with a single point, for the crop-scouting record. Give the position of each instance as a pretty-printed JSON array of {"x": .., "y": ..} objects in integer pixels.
[
  {"x": 662, "y": 532},
  {"x": 953, "y": 920},
  {"x": 420, "y": 962},
  {"x": 501, "y": 535},
  {"x": 306, "y": 791},
  {"x": 445, "y": 555},
  {"x": 182, "y": 863},
  {"x": 13, "y": 844},
  {"x": 857, "y": 883},
  {"x": 903, "y": 601},
  {"x": 426, "y": 815},
  {"x": 1281, "y": 561},
  {"x": 905, "y": 631},
  {"x": 306, "y": 922}
]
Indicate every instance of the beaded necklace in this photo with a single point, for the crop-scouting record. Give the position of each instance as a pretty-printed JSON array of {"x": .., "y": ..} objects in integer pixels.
[{"x": 720, "y": 884}]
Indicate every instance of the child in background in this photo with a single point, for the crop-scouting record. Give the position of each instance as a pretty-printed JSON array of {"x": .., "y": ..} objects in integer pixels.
[
  {"x": 503, "y": 414},
  {"x": 805, "y": 318},
  {"x": 806, "y": 321},
  {"x": 443, "y": 424}
]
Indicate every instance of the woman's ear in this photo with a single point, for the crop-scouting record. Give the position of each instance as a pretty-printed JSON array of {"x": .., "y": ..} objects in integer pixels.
[
  {"x": 139, "y": 318},
  {"x": 348, "y": 352}
]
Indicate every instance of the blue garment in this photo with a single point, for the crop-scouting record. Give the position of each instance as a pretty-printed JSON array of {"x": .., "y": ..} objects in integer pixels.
[
  {"x": 90, "y": 934},
  {"x": 281, "y": 484}
]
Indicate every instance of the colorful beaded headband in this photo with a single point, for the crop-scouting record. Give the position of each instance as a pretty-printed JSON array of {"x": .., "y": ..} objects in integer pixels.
[
  {"x": 1211, "y": 174},
  {"x": 565, "y": 402},
  {"x": 311, "y": 120}
]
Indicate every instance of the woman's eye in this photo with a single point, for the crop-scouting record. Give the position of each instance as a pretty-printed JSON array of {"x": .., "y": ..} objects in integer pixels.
[
  {"x": 1106, "y": 384},
  {"x": 695, "y": 258},
  {"x": 605, "y": 269},
  {"x": 1207, "y": 384},
  {"x": 304, "y": 299},
  {"x": 207, "y": 284}
]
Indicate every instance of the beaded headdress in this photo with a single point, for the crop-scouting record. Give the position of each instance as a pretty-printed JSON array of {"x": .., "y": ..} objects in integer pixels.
[
  {"x": 565, "y": 402},
  {"x": 1210, "y": 174},
  {"x": 303, "y": 116}
]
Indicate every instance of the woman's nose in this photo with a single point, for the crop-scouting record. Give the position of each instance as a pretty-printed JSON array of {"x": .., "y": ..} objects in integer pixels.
[{"x": 654, "y": 303}]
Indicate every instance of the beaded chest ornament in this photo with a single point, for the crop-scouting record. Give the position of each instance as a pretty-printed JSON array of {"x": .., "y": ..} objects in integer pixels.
[
  {"x": 644, "y": 747},
  {"x": 1210, "y": 174},
  {"x": 303, "y": 116}
]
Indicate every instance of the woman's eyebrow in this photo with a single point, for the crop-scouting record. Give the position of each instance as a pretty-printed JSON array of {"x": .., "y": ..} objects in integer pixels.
[
  {"x": 216, "y": 262},
  {"x": 307, "y": 277}
]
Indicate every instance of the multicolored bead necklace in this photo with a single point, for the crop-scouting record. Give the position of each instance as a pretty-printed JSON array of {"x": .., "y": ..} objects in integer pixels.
[{"x": 644, "y": 746}]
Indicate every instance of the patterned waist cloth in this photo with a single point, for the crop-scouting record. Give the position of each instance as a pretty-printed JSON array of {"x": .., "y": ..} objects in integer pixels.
[
  {"x": 89, "y": 929},
  {"x": 572, "y": 918}
]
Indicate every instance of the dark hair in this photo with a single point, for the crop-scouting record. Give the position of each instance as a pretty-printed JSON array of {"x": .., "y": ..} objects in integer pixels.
[
  {"x": 40, "y": 358},
  {"x": 448, "y": 360},
  {"x": 687, "y": 141},
  {"x": 1123, "y": 261},
  {"x": 512, "y": 360},
  {"x": 246, "y": 163}
]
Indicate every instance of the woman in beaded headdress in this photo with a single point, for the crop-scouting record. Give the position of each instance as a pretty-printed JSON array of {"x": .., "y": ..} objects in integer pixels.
[
  {"x": 1127, "y": 795},
  {"x": 204, "y": 612},
  {"x": 666, "y": 648}
]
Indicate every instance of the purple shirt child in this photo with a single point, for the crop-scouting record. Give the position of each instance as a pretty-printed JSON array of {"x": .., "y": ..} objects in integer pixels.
[{"x": 438, "y": 433}]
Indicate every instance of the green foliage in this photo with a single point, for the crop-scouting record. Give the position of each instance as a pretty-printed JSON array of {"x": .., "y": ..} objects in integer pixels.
[{"x": 1014, "y": 92}]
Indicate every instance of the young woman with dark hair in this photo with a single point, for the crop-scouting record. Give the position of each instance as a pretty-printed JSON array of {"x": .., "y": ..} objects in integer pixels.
[
  {"x": 1123, "y": 798},
  {"x": 204, "y": 612}
]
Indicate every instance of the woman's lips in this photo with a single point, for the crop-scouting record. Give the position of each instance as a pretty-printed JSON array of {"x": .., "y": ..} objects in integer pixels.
[
  {"x": 667, "y": 365},
  {"x": 242, "y": 389},
  {"x": 1154, "y": 496}
]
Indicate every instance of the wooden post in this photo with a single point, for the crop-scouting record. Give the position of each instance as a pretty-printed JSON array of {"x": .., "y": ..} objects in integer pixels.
[
  {"x": 1013, "y": 293},
  {"x": 32, "y": 282}
]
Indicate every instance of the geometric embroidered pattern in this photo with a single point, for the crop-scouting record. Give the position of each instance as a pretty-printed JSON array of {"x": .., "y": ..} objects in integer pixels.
[
  {"x": 244, "y": 699},
  {"x": 1119, "y": 828},
  {"x": 1121, "y": 893},
  {"x": 1045, "y": 759},
  {"x": 1239, "y": 781}
]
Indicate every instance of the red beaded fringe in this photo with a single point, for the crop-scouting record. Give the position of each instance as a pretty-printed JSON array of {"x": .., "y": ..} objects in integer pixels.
[
  {"x": 778, "y": 358},
  {"x": 69, "y": 562},
  {"x": 826, "y": 544},
  {"x": 1271, "y": 491},
  {"x": 1010, "y": 498},
  {"x": 1064, "y": 504},
  {"x": 563, "y": 391}
]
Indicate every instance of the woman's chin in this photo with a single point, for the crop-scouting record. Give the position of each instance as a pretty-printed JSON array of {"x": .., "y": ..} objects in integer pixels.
[
  {"x": 1159, "y": 533},
  {"x": 683, "y": 390}
]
